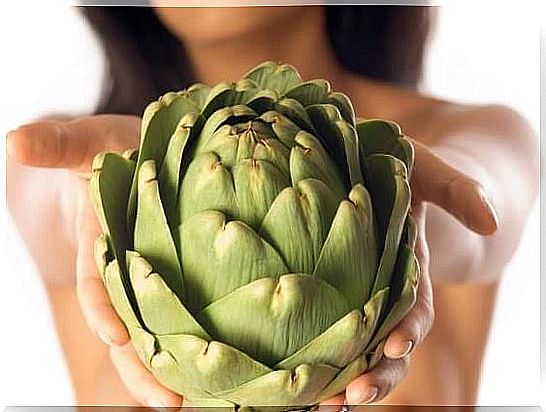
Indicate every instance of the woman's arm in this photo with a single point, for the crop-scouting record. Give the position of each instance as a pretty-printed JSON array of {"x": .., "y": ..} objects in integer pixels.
[
  {"x": 499, "y": 149},
  {"x": 43, "y": 202}
]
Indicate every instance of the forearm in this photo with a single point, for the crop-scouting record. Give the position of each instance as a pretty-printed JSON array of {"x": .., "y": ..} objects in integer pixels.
[
  {"x": 93, "y": 376},
  {"x": 498, "y": 149}
]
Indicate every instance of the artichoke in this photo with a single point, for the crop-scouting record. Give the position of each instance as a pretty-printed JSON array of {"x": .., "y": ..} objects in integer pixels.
[{"x": 258, "y": 246}]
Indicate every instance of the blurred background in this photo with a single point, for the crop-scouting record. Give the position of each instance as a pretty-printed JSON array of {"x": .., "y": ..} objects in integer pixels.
[{"x": 481, "y": 53}]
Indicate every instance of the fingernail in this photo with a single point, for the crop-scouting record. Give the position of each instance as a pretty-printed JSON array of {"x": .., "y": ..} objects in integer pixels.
[
  {"x": 404, "y": 349},
  {"x": 490, "y": 210},
  {"x": 105, "y": 338},
  {"x": 369, "y": 395},
  {"x": 10, "y": 144}
]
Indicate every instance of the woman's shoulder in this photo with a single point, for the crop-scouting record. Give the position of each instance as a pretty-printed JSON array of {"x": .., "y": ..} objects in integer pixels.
[{"x": 426, "y": 117}]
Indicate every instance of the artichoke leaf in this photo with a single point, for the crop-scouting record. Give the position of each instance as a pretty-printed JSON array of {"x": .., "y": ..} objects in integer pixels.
[
  {"x": 229, "y": 94},
  {"x": 169, "y": 176},
  {"x": 244, "y": 193},
  {"x": 153, "y": 237},
  {"x": 271, "y": 318},
  {"x": 212, "y": 366},
  {"x": 226, "y": 115},
  {"x": 221, "y": 256},
  {"x": 161, "y": 309},
  {"x": 307, "y": 211},
  {"x": 131, "y": 154},
  {"x": 409, "y": 268},
  {"x": 257, "y": 128},
  {"x": 374, "y": 310},
  {"x": 339, "y": 139},
  {"x": 109, "y": 192},
  {"x": 295, "y": 111},
  {"x": 255, "y": 140},
  {"x": 257, "y": 185},
  {"x": 383, "y": 136},
  {"x": 113, "y": 280},
  {"x": 406, "y": 273},
  {"x": 335, "y": 346},
  {"x": 386, "y": 178},
  {"x": 348, "y": 260},
  {"x": 144, "y": 344},
  {"x": 375, "y": 354},
  {"x": 283, "y": 387},
  {"x": 210, "y": 402},
  {"x": 275, "y": 152},
  {"x": 207, "y": 185},
  {"x": 223, "y": 143},
  {"x": 342, "y": 342},
  {"x": 310, "y": 92},
  {"x": 263, "y": 101},
  {"x": 308, "y": 159},
  {"x": 172, "y": 374},
  {"x": 409, "y": 237},
  {"x": 198, "y": 92},
  {"x": 344, "y": 105},
  {"x": 273, "y": 76},
  {"x": 284, "y": 128},
  {"x": 102, "y": 255},
  {"x": 411, "y": 228},
  {"x": 354, "y": 369},
  {"x": 158, "y": 125},
  {"x": 350, "y": 142}
]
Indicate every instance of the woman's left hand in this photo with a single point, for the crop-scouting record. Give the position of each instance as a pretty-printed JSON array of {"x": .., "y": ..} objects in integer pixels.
[{"x": 434, "y": 181}]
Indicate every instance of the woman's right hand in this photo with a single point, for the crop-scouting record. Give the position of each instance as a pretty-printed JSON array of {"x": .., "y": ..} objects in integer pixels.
[{"x": 72, "y": 145}]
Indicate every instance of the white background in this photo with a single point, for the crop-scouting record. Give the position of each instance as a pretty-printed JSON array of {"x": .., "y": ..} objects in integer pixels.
[{"x": 50, "y": 63}]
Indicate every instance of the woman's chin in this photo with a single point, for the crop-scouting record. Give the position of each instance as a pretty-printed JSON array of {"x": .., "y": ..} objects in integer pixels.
[{"x": 211, "y": 24}]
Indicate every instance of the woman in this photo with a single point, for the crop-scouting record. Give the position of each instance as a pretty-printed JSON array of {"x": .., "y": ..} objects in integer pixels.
[{"x": 475, "y": 214}]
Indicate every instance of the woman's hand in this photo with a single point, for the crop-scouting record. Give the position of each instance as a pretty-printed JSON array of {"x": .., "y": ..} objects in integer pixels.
[
  {"x": 72, "y": 145},
  {"x": 434, "y": 181}
]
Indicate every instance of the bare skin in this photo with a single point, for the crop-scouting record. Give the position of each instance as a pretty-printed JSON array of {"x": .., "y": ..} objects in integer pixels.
[{"x": 459, "y": 150}]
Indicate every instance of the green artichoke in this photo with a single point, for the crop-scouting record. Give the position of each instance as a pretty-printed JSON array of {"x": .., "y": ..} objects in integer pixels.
[{"x": 258, "y": 245}]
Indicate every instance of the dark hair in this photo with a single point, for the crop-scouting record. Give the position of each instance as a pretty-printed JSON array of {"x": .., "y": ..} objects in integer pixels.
[{"x": 145, "y": 60}]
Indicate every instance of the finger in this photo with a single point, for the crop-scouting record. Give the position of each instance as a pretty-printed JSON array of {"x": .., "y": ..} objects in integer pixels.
[
  {"x": 49, "y": 144},
  {"x": 415, "y": 326},
  {"x": 71, "y": 144},
  {"x": 433, "y": 180},
  {"x": 411, "y": 331},
  {"x": 92, "y": 295},
  {"x": 376, "y": 384},
  {"x": 139, "y": 381},
  {"x": 333, "y": 404}
]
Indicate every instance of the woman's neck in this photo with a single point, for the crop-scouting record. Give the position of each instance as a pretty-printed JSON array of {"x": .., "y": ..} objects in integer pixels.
[{"x": 301, "y": 41}]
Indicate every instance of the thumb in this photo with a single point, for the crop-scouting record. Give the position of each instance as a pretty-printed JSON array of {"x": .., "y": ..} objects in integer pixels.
[
  {"x": 435, "y": 181},
  {"x": 47, "y": 144},
  {"x": 73, "y": 144}
]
